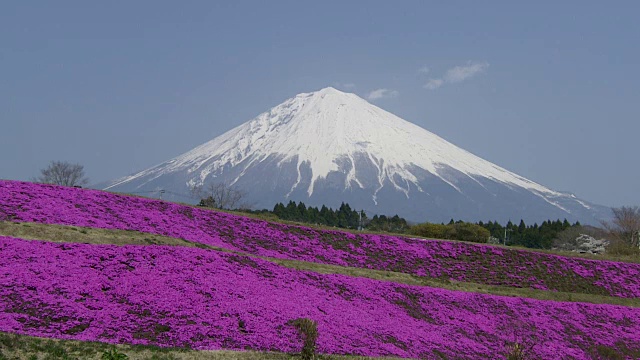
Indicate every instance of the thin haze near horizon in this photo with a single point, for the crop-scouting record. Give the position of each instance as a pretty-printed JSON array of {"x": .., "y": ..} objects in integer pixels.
[{"x": 547, "y": 90}]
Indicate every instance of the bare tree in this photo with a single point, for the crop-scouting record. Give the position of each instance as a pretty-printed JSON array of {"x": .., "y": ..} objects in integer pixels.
[
  {"x": 625, "y": 225},
  {"x": 63, "y": 173},
  {"x": 218, "y": 195}
]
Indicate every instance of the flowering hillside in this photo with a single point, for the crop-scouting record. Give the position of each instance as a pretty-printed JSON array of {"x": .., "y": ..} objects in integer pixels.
[
  {"x": 457, "y": 261},
  {"x": 177, "y": 296}
]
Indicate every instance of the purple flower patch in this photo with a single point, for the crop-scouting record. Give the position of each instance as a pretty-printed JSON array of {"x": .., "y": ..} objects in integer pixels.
[{"x": 178, "y": 296}]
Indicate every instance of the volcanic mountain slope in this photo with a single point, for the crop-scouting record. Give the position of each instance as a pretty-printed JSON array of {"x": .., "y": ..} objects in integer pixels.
[{"x": 328, "y": 147}]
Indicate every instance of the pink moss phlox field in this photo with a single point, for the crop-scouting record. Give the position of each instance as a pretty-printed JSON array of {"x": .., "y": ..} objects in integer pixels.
[
  {"x": 178, "y": 296},
  {"x": 27, "y": 202}
]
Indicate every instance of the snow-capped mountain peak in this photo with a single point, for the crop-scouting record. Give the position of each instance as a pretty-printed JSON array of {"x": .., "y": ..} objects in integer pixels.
[{"x": 330, "y": 135}]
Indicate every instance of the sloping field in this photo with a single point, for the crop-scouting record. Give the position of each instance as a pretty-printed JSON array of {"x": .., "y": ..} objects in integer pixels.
[
  {"x": 190, "y": 297},
  {"x": 85, "y": 235},
  {"x": 482, "y": 264}
]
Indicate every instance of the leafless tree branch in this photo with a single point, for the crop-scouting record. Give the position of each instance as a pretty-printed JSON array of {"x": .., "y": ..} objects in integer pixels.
[
  {"x": 625, "y": 225},
  {"x": 63, "y": 173},
  {"x": 218, "y": 195}
]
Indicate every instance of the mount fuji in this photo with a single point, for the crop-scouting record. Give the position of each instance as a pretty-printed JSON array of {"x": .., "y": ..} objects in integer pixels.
[{"x": 328, "y": 147}]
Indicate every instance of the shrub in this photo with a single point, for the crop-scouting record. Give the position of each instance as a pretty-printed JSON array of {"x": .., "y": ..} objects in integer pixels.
[
  {"x": 606, "y": 352},
  {"x": 113, "y": 354},
  {"x": 471, "y": 232},
  {"x": 428, "y": 230},
  {"x": 458, "y": 231},
  {"x": 309, "y": 331},
  {"x": 567, "y": 239},
  {"x": 621, "y": 248},
  {"x": 519, "y": 351},
  {"x": 207, "y": 202}
]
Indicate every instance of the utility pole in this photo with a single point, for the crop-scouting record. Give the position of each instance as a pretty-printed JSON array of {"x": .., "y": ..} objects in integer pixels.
[
  {"x": 161, "y": 192},
  {"x": 505, "y": 236},
  {"x": 360, "y": 222}
]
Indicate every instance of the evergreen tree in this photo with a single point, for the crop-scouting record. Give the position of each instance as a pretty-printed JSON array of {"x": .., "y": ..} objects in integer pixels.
[
  {"x": 302, "y": 212},
  {"x": 324, "y": 215},
  {"x": 291, "y": 211},
  {"x": 279, "y": 210}
]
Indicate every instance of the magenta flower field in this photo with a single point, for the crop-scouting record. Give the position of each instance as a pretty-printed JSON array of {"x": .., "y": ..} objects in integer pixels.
[
  {"x": 175, "y": 296},
  {"x": 27, "y": 202}
]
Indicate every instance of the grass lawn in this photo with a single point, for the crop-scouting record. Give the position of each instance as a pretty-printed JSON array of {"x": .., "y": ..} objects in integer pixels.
[{"x": 19, "y": 347}]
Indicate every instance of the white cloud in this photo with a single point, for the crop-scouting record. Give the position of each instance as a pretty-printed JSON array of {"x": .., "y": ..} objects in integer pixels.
[
  {"x": 424, "y": 70},
  {"x": 461, "y": 73},
  {"x": 433, "y": 84},
  {"x": 457, "y": 74},
  {"x": 382, "y": 94}
]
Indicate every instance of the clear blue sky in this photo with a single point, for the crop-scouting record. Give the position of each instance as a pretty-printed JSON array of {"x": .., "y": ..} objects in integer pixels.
[{"x": 549, "y": 90}]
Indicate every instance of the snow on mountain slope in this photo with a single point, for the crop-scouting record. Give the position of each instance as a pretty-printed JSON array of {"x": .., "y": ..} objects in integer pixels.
[
  {"x": 329, "y": 131},
  {"x": 323, "y": 126}
]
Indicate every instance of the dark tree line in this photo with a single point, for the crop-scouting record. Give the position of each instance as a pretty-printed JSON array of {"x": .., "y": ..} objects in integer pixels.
[
  {"x": 342, "y": 217},
  {"x": 531, "y": 236},
  {"x": 394, "y": 224}
]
